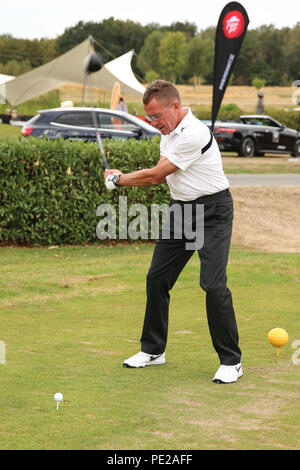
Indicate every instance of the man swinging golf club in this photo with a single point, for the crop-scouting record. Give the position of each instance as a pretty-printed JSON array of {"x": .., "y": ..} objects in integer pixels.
[{"x": 191, "y": 165}]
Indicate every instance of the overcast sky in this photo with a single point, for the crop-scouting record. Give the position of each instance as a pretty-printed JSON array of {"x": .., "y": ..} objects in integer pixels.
[{"x": 48, "y": 19}]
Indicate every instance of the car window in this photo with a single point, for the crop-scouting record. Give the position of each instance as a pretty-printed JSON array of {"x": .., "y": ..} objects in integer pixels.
[
  {"x": 113, "y": 122},
  {"x": 36, "y": 119},
  {"x": 260, "y": 122},
  {"x": 251, "y": 121},
  {"x": 81, "y": 119},
  {"x": 257, "y": 122},
  {"x": 269, "y": 122}
]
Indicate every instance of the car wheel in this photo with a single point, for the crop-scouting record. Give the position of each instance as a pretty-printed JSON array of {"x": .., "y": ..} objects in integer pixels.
[
  {"x": 247, "y": 147},
  {"x": 296, "y": 149}
]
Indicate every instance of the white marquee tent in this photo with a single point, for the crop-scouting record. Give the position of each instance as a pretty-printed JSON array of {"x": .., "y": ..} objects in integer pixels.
[
  {"x": 5, "y": 78},
  {"x": 69, "y": 68}
]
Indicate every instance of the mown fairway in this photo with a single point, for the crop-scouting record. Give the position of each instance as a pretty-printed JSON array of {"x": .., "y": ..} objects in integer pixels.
[
  {"x": 6, "y": 130},
  {"x": 270, "y": 164},
  {"x": 70, "y": 315}
]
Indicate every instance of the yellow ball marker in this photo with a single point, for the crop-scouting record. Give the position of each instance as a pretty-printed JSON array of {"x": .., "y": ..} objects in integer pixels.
[{"x": 278, "y": 337}]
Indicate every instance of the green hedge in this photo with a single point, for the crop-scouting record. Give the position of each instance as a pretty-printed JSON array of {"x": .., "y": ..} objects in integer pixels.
[
  {"x": 50, "y": 190},
  {"x": 289, "y": 118}
]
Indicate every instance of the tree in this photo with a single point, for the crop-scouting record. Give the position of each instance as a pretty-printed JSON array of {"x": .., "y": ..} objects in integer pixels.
[
  {"x": 113, "y": 37},
  {"x": 190, "y": 29},
  {"x": 258, "y": 83},
  {"x": 148, "y": 58},
  {"x": 172, "y": 55},
  {"x": 291, "y": 48},
  {"x": 267, "y": 52},
  {"x": 248, "y": 55},
  {"x": 199, "y": 59},
  {"x": 151, "y": 76},
  {"x": 48, "y": 49},
  {"x": 26, "y": 53},
  {"x": 15, "y": 67}
]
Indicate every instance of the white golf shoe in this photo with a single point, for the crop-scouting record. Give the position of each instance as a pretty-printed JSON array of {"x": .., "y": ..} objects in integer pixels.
[
  {"x": 142, "y": 359},
  {"x": 228, "y": 374}
]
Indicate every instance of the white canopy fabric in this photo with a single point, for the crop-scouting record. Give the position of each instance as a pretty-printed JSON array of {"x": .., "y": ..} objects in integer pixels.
[
  {"x": 69, "y": 68},
  {"x": 5, "y": 78},
  {"x": 119, "y": 70}
]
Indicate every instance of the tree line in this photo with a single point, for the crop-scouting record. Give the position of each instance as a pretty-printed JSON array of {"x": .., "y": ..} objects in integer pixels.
[{"x": 177, "y": 52}]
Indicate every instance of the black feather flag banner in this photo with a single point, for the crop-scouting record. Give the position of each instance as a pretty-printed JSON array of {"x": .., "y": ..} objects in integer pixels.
[{"x": 230, "y": 33}]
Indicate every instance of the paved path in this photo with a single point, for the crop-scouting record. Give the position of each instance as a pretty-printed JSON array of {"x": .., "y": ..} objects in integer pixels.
[{"x": 264, "y": 180}]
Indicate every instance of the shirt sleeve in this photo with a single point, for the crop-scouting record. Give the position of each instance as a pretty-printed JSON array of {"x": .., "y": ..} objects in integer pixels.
[{"x": 188, "y": 148}]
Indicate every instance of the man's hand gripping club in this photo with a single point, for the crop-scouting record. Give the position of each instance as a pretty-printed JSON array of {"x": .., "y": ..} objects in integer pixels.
[{"x": 112, "y": 179}]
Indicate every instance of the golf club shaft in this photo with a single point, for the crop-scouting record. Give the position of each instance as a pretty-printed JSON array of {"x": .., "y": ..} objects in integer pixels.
[{"x": 98, "y": 137}]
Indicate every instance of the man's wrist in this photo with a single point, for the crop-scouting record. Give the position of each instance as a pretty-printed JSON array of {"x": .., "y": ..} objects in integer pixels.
[{"x": 115, "y": 179}]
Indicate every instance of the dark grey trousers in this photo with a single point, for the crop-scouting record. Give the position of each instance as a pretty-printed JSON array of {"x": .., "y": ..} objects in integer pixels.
[{"x": 169, "y": 258}]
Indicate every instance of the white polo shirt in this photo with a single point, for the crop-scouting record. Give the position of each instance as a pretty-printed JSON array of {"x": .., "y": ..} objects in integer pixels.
[{"x": 198, "y": 174}]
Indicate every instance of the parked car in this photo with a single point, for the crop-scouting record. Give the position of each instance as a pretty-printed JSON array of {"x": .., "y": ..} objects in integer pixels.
[
  {"x": 256, "y": 135},
  {"x": 78, "y": 123}
]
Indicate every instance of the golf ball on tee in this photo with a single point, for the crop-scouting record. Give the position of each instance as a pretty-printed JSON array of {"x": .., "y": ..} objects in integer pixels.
[
  {"x": 58, "y": 396},
  {"x": 278, "y": 337}
]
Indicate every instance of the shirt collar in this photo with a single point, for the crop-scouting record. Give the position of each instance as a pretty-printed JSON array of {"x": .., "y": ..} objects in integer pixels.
[{"x": 183, "y": 122}]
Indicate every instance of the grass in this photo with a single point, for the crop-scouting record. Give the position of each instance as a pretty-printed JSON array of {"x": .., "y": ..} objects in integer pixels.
[
  {"x": 70, "y": 315},
  {"x": 270, "y": 164},
  {"x": 6, "y": 130}
]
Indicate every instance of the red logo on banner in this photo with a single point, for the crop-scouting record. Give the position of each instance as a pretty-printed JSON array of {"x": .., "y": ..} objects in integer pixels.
[{"x": 233, "y": 24}]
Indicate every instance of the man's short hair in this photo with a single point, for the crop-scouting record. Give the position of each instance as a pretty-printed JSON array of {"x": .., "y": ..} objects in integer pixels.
[{"x": 162, "y": 91}]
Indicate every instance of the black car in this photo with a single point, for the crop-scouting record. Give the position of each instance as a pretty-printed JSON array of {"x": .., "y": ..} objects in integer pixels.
[
  {"x": 78, "y": 123},
  {"x": 256, "y": 135}
]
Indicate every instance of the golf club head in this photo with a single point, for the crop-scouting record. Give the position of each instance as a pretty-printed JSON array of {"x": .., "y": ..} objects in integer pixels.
[{"x": 92, "y": 63}]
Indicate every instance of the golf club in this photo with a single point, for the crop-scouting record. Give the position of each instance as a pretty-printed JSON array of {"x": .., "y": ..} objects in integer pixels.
[{"x": 93, "y": 63}]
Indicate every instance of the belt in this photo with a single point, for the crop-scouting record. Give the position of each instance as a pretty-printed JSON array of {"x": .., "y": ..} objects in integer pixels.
[{"x": 206, "y": 199}]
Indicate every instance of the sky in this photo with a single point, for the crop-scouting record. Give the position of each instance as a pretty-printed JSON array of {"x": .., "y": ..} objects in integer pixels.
[{"x": 35, "y": 19}]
